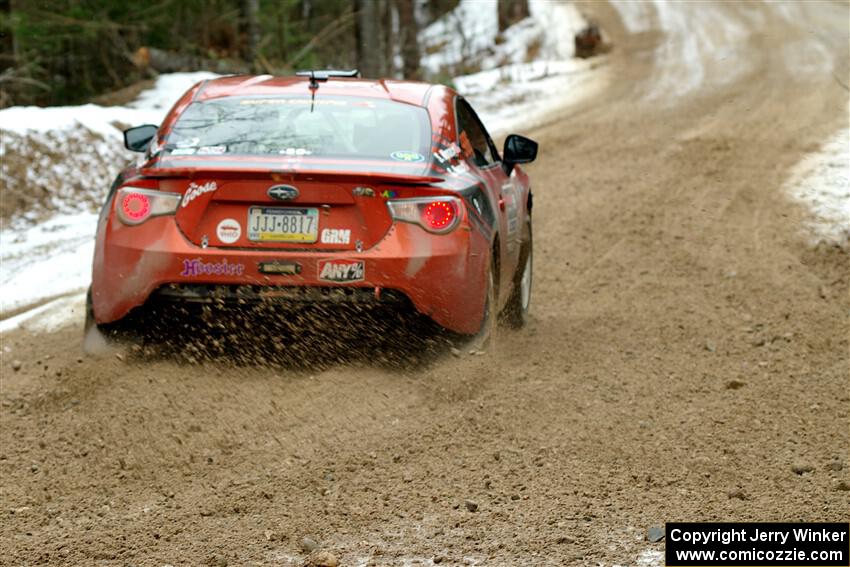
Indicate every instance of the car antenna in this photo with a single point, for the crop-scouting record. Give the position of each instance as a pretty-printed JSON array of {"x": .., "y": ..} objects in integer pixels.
[
  {"x": 324, "y": 75},
  {"x": 314, "y": 86}
]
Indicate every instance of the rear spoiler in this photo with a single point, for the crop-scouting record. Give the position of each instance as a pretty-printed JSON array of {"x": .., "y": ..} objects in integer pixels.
[{"x": 288, "y": 175}]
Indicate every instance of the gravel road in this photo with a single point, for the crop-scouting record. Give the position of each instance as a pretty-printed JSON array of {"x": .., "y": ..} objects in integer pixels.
[{"x": 687, "y": 360}]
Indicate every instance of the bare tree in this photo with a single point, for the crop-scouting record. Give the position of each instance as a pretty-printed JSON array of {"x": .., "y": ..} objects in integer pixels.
[
  {"x": 369, "y": 37},
  {"x": 250, "y": 13},
  {"x": 409, "y": 38},
  {"x": 390, "y": 37},
  {"x": 512, "y": 11}
]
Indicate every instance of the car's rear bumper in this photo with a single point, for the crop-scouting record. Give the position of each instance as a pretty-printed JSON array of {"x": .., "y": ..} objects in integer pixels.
[{"x": 443, "y": 276}]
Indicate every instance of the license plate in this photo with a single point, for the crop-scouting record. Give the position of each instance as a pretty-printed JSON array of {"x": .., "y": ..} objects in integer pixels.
[{"x": 278, "y": 224}]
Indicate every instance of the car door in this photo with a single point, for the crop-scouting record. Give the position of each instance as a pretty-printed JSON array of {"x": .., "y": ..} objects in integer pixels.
[{"x": 483, "y": 158}]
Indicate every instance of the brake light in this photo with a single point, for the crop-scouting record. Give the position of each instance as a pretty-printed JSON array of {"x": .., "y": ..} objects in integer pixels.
[
  {"x": 435, "y": 214},
  {"x": 136, "y": 205},
  {"x": 438, "y": 215}
]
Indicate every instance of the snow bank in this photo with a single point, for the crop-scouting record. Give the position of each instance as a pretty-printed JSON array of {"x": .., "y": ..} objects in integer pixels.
[
  {"x": 821, "y": 181},
  {"x": 49, "y": 317},
  {"x": 108, "y": 121},
  {"x": 46, "y": 260},
  {"x": 60, "y": 162},
  {"x": 525, "y": 73},
  {"x": 63, "y": 159},
  {"x": 703, "y": 42},
  {"x": 707, "y": 44},
  {"x": 57, "y": 171},
  {"x": 462, "y": 35},
  {"x": 468, "y": 36}
]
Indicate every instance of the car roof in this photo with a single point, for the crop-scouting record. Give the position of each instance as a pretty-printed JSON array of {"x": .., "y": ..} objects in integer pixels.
[{"x": 409, "y": 92}]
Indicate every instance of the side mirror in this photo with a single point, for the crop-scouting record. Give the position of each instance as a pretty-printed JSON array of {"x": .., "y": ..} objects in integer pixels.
[
  {"x": 518, "y": 149},
  {"x": 137, "y": 139}
]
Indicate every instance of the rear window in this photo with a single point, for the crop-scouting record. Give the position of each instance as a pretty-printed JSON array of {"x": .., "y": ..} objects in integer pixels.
[{"x": 298, "y": 126}]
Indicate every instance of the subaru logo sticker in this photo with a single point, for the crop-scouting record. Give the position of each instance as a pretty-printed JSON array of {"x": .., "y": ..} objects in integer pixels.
[{"x": 283, "y": 192}]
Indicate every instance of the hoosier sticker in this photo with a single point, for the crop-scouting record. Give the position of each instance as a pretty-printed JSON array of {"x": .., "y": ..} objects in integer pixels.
[
  {"x": 198, "y": 268},
  {"x": 342, "y": 271}
]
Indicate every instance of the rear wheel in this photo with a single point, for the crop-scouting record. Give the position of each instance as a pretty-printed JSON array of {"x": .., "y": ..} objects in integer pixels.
[
  {"x": 516, "y": 311},
  {"x": 485, "y": 336},
  {"x": 90, "y": 322},
  {"x": 96, "y": 338}
]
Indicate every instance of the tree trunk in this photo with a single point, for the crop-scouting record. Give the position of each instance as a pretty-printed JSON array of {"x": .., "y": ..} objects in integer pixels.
[
  {"x": 368, "y": 29},
  {"x": 409, "y": 37},
  {"x": 511, "y": 12},
  {"x": 281, "y": 33},
  {"x": 8, "y": 40},
  {"x": 250, "y": 11},
  {"x": 389, "y": 38}
]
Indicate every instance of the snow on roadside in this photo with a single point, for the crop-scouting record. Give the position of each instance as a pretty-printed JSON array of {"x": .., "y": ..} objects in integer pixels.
[
  {"x": 821, "y": 181},
  {"x": 459, "y": 36},
  {"x": 525, "y": 73},
  {"x": 700, "y": 42},
  {"x": 704, "y": 42},
  {"x": 63, "y": 160},
  {"x": 45, "y": 261},
  {"x": 56, "y": 172},
  {"x": 149, "y": 108},
  {"x": 50, "y": 316}
]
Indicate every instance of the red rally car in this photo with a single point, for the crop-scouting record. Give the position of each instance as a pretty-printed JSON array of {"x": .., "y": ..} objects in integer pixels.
[{"x": 318, "y": 187}]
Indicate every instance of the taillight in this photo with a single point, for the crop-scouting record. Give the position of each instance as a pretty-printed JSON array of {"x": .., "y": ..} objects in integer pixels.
[
  {"x": 435, "y": 214},
  {"x": 136, "y": 205}
]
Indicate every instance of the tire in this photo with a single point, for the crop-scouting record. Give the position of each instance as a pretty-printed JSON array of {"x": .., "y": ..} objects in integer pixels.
[
  {"x": 515, "y": 314},
  {"x": 97, "y": 338},
  {"x": 485, "y": 337},
  {"x": 90, "y": 322}
]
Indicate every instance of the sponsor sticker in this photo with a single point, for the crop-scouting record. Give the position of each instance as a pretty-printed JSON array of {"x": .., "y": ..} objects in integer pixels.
[
  {"x": 292, "y": 101},
  {"x": 363, "y": 192},
  {"x": 211, "y": 150},
  {"x": 188, "y": 143},
  {"x": 197, "y": 267},
  {"x": 458, "y": 168},
  {"x": 447, "y": 154},
  {"x": 450, "y": 158},
  {"x": 295, "y": 152},
  {"x": 194, "y": 191},
  {"x": 183, "y": 151},
  {"x": 407, "y": 156},
  {"x": 342, "y": 271},
  {"x": 336, "y": 236},
  {"x": 228, "y": 231}
]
